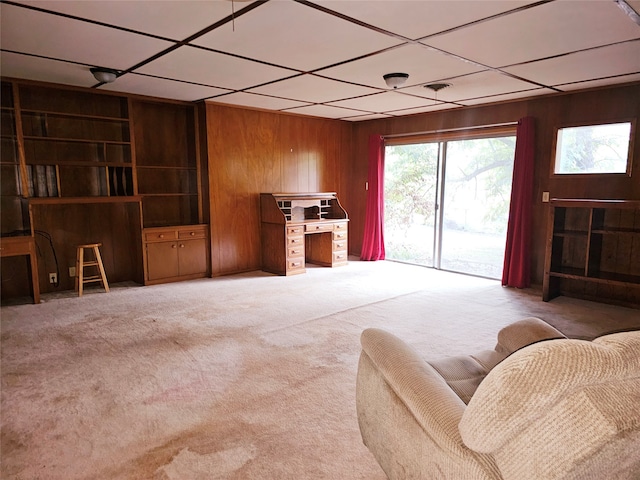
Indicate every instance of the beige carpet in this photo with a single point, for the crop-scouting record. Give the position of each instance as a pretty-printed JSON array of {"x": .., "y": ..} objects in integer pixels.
[{"x": 244, "y": 377}]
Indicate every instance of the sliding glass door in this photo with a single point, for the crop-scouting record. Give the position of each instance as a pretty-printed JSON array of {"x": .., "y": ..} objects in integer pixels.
[{"x": 447, "y": 203}]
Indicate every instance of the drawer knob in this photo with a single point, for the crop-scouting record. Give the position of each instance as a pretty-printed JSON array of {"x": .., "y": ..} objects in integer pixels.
[
  {"x": 192, "y": 233},
  {"x": 161, "y": 235},
  {"x": 182, "y": 245},
  {"x": 174, "y": 246}
]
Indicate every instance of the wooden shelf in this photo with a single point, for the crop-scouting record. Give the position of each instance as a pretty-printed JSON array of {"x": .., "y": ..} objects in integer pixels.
[
  {"x": 592, "y": 250},
  {"x": 75, "y": 115},
  {"x": 75, "y": 140}
]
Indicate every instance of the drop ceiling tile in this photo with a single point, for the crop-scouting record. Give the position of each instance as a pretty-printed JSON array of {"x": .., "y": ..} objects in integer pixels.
[
  {"x": 421, "y": 63},
  {"x": 172, "y": 19},
  {"x": 314, "y": 89},
  {"x": 45, "y": 70},
  {"x": 324, "y": 111},
  {"x": 620, "y": 59},
  {"x": 600, "y": 83},
  {"x": 426, "y": 109},
  {"x": 383, "y": 102},
  {"x": 360, "y": 118},
  {"x": 209, "y": 68},
  {"x": 257, "y": 101},
  {"x": 550, "y": 29},
  {"x": 508, "y": 96},
  {"x": 416, "y": 19},
  {"x": 477, "y": 85},
  {"x": 62, "y": 38},
  {"x": 160, "y": 87},
  {"x": 297, "y": 36}
]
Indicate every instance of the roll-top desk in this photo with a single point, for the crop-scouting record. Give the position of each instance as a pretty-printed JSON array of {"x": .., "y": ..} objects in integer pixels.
[{"x": 302, "y": 227}]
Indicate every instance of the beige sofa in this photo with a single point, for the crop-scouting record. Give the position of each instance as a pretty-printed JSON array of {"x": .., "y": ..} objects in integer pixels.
[{"x": 530, "y": 409}]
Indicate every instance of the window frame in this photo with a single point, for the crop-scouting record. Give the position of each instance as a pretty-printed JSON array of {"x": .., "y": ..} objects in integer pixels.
[{"x": 628, "y": 171}]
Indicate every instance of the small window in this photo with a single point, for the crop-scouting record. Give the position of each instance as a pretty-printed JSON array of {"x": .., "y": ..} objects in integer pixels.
[{"x": 594, "y": 149}]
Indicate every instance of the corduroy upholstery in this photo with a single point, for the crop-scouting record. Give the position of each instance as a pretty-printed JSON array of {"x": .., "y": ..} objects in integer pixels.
[{"x": 563, "y": 409}]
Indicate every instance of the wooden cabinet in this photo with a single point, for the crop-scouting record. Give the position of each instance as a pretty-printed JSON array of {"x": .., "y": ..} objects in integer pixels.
[
  {"x": 302, "y": 227},
  {"x": 175, "y": 253},
  {"x": 593, "y": 250}
]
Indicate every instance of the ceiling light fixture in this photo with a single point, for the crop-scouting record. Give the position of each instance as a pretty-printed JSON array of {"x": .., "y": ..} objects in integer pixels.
[
  {"x": 436, "y": 87},
  {"x": 394, "y": 80},
  {"x": 104, "y": 75}
]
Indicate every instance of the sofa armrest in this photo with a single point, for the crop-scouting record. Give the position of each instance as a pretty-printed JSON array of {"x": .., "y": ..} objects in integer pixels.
[
  {"x": 524, "y": 332},
  {"x": 422, "y": 390},
  {"x": 408, "y": 415}
]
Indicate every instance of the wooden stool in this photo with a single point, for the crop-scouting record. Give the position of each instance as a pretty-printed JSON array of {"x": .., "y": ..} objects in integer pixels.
[{"x": 81, "y": 264}]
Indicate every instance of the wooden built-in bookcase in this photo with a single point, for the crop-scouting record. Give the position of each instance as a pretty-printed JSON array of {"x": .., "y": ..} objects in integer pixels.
[
  {"x": 593, "y": 250},
  {"x": 82, "y": 166}
]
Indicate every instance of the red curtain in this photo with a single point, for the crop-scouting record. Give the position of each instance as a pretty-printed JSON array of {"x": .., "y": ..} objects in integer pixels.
[
  {"x": 517, "y": 255},
  {"x": 373, "y": 241}
]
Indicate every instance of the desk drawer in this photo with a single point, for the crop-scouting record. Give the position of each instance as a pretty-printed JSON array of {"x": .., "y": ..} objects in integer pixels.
[
  {"x": 295, "y": 240},
  {"x": 295, "y": 230},
  {"x": 340, "y": 245},
  {"x": 294, "y": 264},
  {"x": 340, "y": 257},
  {"x": 295, "y": 251},
  {"x": 340, "y": 226},
  {"x": 340, "y": 235},
  {"x": 320, "y": 227}
]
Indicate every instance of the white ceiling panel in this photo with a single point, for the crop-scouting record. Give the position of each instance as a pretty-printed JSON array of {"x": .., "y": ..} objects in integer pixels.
[
  {"x": 45, "y": 70},
  {"x": 38, "y": 33},
  {"x": 215, "y": 69},
  {"x": 599, "y": 83},
  {"x": 173, "y": 19},
  {"x": 160, "y": 87},
  {"x": 382, "y": 102},
  {"x": 344, "y": 47},
  {"x": 313, "y": 89},
  {"x": 418, "y": 18},
  {"x": 508, "y": 96},
  {"x": 551, "y": 29},
  {"x": 603, "y": 62},
  {"x": 360, "y": 118},
  {"x": 288, "y": 33},
  {"x": 257, "y": 101},
  {"x": 421, "y": 63},
  {"x": 477, "y": 85},
  {"x": 324, "y": 111}
]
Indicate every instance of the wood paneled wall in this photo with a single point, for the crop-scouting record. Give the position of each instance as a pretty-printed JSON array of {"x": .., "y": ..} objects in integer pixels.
[
  {"x": 550, "y": 112},
  {"x": 252, "y": 152}
]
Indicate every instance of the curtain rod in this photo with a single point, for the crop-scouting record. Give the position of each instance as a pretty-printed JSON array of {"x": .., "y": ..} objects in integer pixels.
[{"x": 446, "y": 130}]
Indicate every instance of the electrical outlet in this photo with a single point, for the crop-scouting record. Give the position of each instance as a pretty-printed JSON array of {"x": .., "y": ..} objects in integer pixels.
[
  {"x": 72, "y": 271},
  {"x": 53, "y": 278},
  {"x": 545, "y": 197}
]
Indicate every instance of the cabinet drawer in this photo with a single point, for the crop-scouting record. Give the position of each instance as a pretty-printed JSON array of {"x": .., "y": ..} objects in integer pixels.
[
  {"x": 295, "y": 230},
  {"x": 339, "y": 257},
  {"x": 195, "y": 233},
  {"x": 295, "y": 264},
  {"x": 340, "y": 245},
  {"x": 297, "y": 240},
  {"x": 163, "y": 236},
  {"x": 340, "y": 235},
  {"x": 320, "y": 227},
  {"x": 340, "y": 227},
  {"x": 295, "y": 251}
]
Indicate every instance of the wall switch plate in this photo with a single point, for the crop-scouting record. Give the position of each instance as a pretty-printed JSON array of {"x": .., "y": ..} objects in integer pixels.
[
  {"x": 545, "y": 197},
  {"x": 53, "y": 278},
  {"x": 72, "y": 271}
]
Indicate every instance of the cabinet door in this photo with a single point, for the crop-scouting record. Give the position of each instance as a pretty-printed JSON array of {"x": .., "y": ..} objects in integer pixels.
[
  {"x": 193, "y": 256},
  {"x": 162, "y": 260}
]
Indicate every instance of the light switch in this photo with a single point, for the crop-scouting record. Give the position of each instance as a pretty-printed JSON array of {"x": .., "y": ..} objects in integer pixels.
[{"x": 545, "y": 197}]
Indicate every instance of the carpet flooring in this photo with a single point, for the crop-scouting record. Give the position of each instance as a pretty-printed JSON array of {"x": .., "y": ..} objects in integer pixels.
[{"x": 250, "y": 376}]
